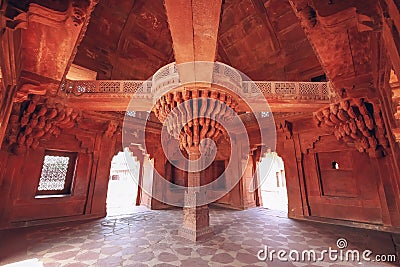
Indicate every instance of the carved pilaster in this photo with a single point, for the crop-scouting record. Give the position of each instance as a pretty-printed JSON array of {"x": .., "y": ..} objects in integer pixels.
[
  {"x": 395, "y": 87},
  {"x": 286, "y": 127},
  {"x": 196, "y": 224},
  {"x": 9, "y": 72},
  {"x": 112, "y": 128}
]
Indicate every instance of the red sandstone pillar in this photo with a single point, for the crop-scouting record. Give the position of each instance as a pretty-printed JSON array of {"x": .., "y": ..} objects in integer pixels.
[
  {"x": 140, "y": 182},
  {"x": 196, "y": 220}
]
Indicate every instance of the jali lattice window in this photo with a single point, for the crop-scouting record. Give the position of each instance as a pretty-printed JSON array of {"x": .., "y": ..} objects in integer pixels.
[{"x": 57, "y": 173}]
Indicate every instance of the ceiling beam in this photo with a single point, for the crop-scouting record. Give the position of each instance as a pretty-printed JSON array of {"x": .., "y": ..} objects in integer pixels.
[
  {"x": 121, "y": 102},
  {"x": 341, "y": 34},
  {"x": 194, "y": 29}
]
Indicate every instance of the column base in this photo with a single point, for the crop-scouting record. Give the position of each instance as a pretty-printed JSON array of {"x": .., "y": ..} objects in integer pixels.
[
  {"x": 196, "y": 223},
  {"x": 196, "y": 235}
]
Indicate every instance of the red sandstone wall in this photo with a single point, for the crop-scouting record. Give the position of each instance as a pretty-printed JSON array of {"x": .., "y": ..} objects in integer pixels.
[
  {"x": 363, "y": 189},
  {"x": 19, "y": 177},
  {"x": 350, "y": 192}
]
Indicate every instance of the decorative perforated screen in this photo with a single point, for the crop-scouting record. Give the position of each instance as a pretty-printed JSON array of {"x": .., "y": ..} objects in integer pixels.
[
  {"x": 54, "y": 173},
  {"x": 57, "y": 173}
]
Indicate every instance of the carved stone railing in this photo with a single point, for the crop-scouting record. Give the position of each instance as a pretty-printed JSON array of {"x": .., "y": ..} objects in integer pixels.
[
  {"x": 140, "y": 89},
  {"x": 228, "y": 77},
  {"x": 144, "y": 89},
  {"x": 289, "y": 90},
  {"x": 167, "y": 78}
]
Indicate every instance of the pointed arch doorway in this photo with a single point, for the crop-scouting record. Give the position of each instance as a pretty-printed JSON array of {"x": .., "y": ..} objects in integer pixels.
[
  {"x": 273, "y": 182},
  {"x": 122, "y": 186}
]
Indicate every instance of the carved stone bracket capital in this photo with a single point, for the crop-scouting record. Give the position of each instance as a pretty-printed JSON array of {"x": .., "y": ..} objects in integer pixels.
[
  {"x": 37, "y": 119},
  {"x": 357, "y": 120},
  {"x": 112, "y": 128},
  {"x": 286, "y": 127}
]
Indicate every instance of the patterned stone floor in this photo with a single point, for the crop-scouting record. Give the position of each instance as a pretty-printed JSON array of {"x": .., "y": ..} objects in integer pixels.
[{"x": 149, "y": 238}]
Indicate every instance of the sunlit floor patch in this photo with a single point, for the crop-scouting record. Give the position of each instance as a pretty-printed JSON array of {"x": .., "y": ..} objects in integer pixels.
[{"x": 26, "y": 263}]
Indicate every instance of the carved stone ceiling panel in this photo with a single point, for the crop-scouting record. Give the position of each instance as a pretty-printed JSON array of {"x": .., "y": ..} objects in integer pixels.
[
  {"x": 264, "y": 40},
  {"x": 345, "y": 35},
  {"x": 126, "y": 40}
]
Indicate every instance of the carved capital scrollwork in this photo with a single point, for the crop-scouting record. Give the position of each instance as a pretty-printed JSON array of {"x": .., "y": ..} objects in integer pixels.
[
  {"x": 27, "y": 89},
  {"x": 286, "y": 127},
  {"x": 86, "y": 142},
  {"x": 79, "y": 11},
  {"x": 112, "y": 128},
  {"x": 310, "y": 141},
  {"x": 37, "y": 119},
  {"x": 175, "y": 109},
  {"x": 356, "y": 120}
]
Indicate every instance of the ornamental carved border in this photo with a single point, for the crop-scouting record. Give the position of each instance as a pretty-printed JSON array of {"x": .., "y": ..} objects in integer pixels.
[{"x": 358, "y": 121}]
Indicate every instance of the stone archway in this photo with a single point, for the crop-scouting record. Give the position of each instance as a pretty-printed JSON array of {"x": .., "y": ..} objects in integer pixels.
[{"x": 122, "y": 186}]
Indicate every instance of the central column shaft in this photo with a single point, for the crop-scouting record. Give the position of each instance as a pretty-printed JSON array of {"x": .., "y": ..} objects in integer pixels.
[{"x": 196, "y": 220}]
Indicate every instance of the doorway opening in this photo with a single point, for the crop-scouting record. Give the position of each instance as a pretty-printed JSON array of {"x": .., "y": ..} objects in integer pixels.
[
  {"x": 273, "y": 182},
  {"x": 122, "y": 185}
]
